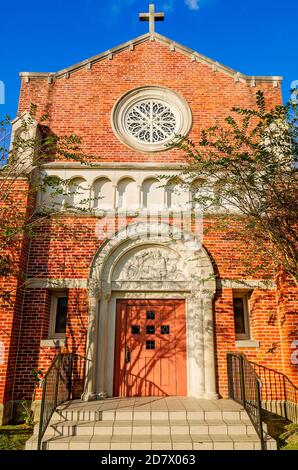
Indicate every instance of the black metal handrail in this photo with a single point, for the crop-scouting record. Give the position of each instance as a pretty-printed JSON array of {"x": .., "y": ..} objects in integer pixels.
[
  {"x": 278, "y": 394},
  {"x": 56, "y": 389},
  {"x": 244, "y": 388}
]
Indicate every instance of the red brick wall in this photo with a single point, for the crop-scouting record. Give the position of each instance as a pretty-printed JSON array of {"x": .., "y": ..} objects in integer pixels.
[
  {"x": 65, "y": 248},
  {"x": 287, "y": 296},
  {"x": 11, "y": 288}
]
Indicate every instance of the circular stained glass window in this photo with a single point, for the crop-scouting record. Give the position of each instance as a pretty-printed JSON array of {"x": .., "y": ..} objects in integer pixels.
[
  {"x": 151, "y": 121},
  {"x": 149, "y": 118}
]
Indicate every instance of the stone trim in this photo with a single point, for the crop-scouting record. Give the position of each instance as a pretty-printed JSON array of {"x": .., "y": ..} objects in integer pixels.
[
  {"x": 158, "y": 286},
  {"x": 112, "y": 165},
  {"x": 6, "y": 411},
  {"x": 14, "y": 178},
  {"x": 245, "y": 284},
  {"x": 63, "y": 283},
  {"x": 247, "y": 343},
  {"x": 193, "y": 55},
  {"x": 52, "y": 343}
]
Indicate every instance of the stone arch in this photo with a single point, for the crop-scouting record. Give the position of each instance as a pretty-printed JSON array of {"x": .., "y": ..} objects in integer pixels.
[
  {"x": 127, "y": 193},
  {"x": 54, "y": 195},
  {"x": 102, "y": 189},
  {"x": 152, "y": 194},
  {"x": 177, "y": 194},
  {"x": 196, "y": 188},
  {"x": 193, "y": 281},
  {"x": 161, "y": 233},
  {"x": 78, "y": 194}
]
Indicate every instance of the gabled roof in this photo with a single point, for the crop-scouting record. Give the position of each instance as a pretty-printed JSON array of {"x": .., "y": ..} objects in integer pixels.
[{"x": 173, "y": 46}]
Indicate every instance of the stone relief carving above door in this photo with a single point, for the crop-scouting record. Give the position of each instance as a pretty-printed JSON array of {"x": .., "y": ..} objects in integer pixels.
[{"x": 151, "y": 264}]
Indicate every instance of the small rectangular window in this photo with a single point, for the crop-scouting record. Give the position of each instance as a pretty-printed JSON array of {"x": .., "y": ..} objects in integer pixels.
[
  {"x": 241, "y": 316},
  {"x": 150, "y": 330},
  {"x": 150, "y": 315},
  {"x": 150, "y": 344},
  {"x": 135, "y": 329},
  {"x": 61, "y": 313},
  {"x": 165, "y": 329},
  {"x": 58, "y": 316}
]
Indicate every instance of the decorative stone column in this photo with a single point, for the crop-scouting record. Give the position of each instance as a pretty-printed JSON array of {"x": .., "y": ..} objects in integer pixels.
[
  {"x": 102, "y": 334},
  {"x": 97, "y": 344},
  {"x": 114, "y": 197},
  {"x": 91, "y": 351},
  {"x": 141, "y": 196},
  {"x": 209, "y": 351},
  {"x": 195, "y": 345}
]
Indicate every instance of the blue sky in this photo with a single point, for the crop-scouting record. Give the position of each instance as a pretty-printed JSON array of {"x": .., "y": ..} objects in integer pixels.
[{"x": 256, "y": 37}]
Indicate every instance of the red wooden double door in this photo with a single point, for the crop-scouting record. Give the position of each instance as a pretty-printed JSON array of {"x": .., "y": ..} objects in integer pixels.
[{"x": 150, "y": 348}]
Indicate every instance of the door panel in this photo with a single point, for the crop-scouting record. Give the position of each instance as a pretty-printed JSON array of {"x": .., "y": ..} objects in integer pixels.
[{"x": 150, "y": 348}]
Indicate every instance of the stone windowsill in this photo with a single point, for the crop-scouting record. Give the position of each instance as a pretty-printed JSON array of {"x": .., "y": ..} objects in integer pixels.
[
  {"x": 247, "y": 343},
  {"x": 53, "y": 342}
]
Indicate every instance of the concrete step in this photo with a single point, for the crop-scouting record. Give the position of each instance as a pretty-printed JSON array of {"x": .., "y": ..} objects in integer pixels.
[
  {"x": 150, "y": 423},
  {"x": 122, "y": 415},
  {"x": 158, "y": 427},
  {"x": 153, "y": 442}
]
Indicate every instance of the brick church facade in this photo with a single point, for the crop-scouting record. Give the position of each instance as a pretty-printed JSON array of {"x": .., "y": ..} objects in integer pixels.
[{"x": 90, "y": 273}]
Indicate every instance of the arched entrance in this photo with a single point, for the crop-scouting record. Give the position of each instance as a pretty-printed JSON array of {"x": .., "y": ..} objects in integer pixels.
[{"x": 145, "y": 263}]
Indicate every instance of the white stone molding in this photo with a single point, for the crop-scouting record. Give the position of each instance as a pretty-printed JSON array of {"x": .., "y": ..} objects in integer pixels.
[
  {"x": 247, "y": 343},
  {"x": 67, "y": 283},
  {"x": 24, "y": 127},
  {"x": 56, "y": 283},
  {"x": 245, "y": 284},
  {"x": 123, "y": 268},
  {"x": 115, "y": 165},
  {"x": 52, "y": 343},
  {"x": 253, "y": 82}
]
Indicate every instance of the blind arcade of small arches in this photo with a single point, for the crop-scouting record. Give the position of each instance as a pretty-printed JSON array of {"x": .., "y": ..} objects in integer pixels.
[{"x": 103, "y": 195}]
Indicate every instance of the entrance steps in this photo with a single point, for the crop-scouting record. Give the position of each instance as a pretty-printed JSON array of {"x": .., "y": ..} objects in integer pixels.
[{"x": 150, "y": 424}]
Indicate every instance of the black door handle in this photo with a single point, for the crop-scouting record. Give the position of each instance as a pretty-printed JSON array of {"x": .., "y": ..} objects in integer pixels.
[{"x": 127, "y": 355}]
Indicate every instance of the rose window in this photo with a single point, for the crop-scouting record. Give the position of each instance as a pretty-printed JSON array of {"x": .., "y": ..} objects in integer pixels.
[
  {"x": 148, "y": 118},
  {"x": 151, "y": 121}
]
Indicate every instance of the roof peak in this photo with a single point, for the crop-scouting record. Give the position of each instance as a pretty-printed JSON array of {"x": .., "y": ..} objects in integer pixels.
[{"x": 173, "y": 46}]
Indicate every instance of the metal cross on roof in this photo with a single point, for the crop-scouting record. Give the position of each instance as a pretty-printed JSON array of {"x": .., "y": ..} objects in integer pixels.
[{"x": 152, "y": 17}]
